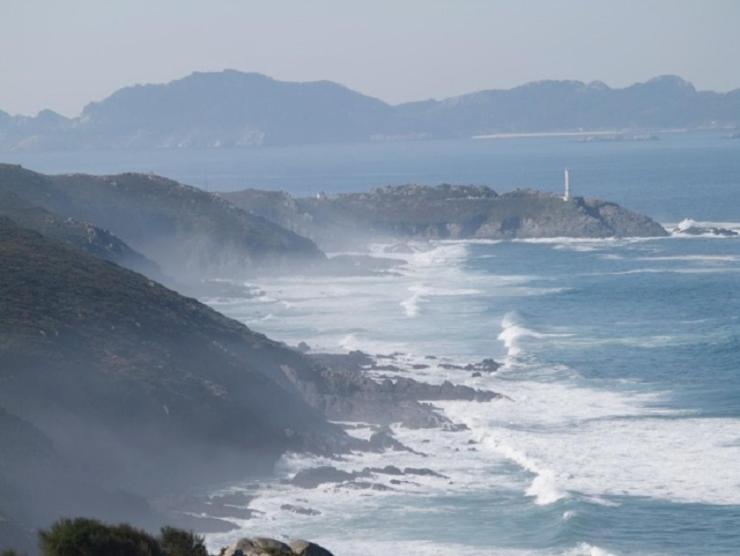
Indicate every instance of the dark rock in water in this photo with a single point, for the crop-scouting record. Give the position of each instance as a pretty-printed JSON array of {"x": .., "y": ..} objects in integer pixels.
[
  {"x": 455, "y": 427},
  {"x": 423, "y": 471},
  {"x": 311, "y": 478},
  {"x": 476, "y": 374},
  {"x": 383, "y": 440},
  {"x": 387, "y": 470},
  {"x": 486, "y": 366},
  {"x": 299, "y": 510},
  {"x": 353, "y": 361},
  {"x": 366, "y": 485},
  {"x": 303, "y": 347}
]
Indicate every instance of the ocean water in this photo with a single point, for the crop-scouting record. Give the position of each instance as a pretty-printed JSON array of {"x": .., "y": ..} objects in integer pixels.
[
  {"x": 682, "y": 174},
  {"x": 620, "y": 433}
]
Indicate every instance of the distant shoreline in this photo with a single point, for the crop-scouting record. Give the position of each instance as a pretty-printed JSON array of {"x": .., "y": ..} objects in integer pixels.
[{"x": 525, "y": 135}]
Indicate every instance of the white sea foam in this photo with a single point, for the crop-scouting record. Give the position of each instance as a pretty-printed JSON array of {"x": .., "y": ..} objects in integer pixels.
[
  {"x": 563, "y": 438},
  {"x": 693, "y": 258},
  {"x": 514, "y": 333},
  {"x": 679, "y": 229},
  {"x": 420, "y": 292}
]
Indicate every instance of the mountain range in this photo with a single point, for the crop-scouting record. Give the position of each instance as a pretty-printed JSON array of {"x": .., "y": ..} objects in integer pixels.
[{"x": 235, "y": 109}]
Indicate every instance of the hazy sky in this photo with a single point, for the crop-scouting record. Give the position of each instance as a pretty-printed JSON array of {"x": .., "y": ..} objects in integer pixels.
[{"x": 62, "y": 54}]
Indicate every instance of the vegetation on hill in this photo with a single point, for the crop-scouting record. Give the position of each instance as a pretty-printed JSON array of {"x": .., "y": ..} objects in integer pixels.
[
  {"x": 190, "y": 233},
  {"x": 132, "y": 389},
  {"x": 443, "y": 212},
  {"x": 89, "y": 238}
]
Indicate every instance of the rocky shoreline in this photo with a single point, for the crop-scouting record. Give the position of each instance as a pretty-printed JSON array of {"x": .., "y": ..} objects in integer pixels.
[{"x": 356, "y": 391}]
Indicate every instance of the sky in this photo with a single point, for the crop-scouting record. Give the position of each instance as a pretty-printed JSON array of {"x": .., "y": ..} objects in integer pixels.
[{"x": 63, "y": 54}]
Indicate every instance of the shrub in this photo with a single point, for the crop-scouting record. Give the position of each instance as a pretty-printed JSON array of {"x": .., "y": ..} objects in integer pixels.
[
  {"x": 88, "y": 537},
  {"x": 176, "y": 542}
]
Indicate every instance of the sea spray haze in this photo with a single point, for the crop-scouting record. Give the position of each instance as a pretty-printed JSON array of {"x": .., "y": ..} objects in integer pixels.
[{"x": 424, "y": 278}]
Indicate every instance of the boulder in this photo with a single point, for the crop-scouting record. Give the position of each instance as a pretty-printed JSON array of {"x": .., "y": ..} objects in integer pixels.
[
  {"x": 306, "y": 548},
  {"x": 311, "y": 478},
  {"x": 263, "y": 546}
]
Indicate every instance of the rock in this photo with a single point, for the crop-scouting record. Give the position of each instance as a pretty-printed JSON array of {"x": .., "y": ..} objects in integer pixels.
[
  {"x": 476, "y": 374},
  {"x": 366, "y": 485},
  {"x": 487, "y": 366},
  {"x": 383, "y": 440},
  {"x": 263, "y": 546},
  {"x": 423, "y": 471},
  {"x": 299, "y": 510},
  {"x": 311, "y": 478},
  {"x": 407, "y": 213},
  {"x": 258, "y": 546},
  {"x": 387, "y": 470},
  {"x": 303, "y": 347},
  {"x": 306, "y": 548}
]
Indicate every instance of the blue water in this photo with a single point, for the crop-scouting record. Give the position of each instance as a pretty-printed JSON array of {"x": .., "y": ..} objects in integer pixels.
[
  {"x": 622, "y": 435},
  {"x": 682, "y": 174},
  {"x": 622, "y": 357}
]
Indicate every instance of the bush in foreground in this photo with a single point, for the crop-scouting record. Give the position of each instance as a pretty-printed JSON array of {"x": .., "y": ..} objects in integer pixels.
[{"x": 88, "y": 537}]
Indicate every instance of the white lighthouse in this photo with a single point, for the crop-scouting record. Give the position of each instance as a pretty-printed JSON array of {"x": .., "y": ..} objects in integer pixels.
[{"x": 566, "y": 185}]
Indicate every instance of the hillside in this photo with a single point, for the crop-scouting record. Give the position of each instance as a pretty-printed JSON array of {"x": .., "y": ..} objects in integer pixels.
[
  {"x": 190, "y": 233},
  {"x": 235, "y": 109},
  {"x": 140, "y": 386},
  {"x": 443, "y": 212},
  {"x": 81, "y": 235}
]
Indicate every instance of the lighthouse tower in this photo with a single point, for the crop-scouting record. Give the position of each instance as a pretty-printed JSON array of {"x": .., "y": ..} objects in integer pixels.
[{"x": 566, "y": 185}]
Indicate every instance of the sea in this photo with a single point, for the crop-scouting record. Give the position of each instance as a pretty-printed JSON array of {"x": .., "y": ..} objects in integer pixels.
[{"x": 619, "y": 432}]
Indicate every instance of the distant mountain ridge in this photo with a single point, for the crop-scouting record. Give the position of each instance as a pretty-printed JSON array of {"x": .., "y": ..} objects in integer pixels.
[{"x": 236, "y": 109}]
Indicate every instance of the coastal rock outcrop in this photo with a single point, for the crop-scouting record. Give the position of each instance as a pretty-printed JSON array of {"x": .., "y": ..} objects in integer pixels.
[
  {"x": 263, "y": 546},
  {"x": 415, "y": 212},
  {"x": 691, "y": 228}
]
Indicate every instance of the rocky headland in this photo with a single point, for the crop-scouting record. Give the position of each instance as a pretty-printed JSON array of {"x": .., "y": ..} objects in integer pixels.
[
  {"x": 191, "y": 234},
  {"x": 415, "y": 212}
]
